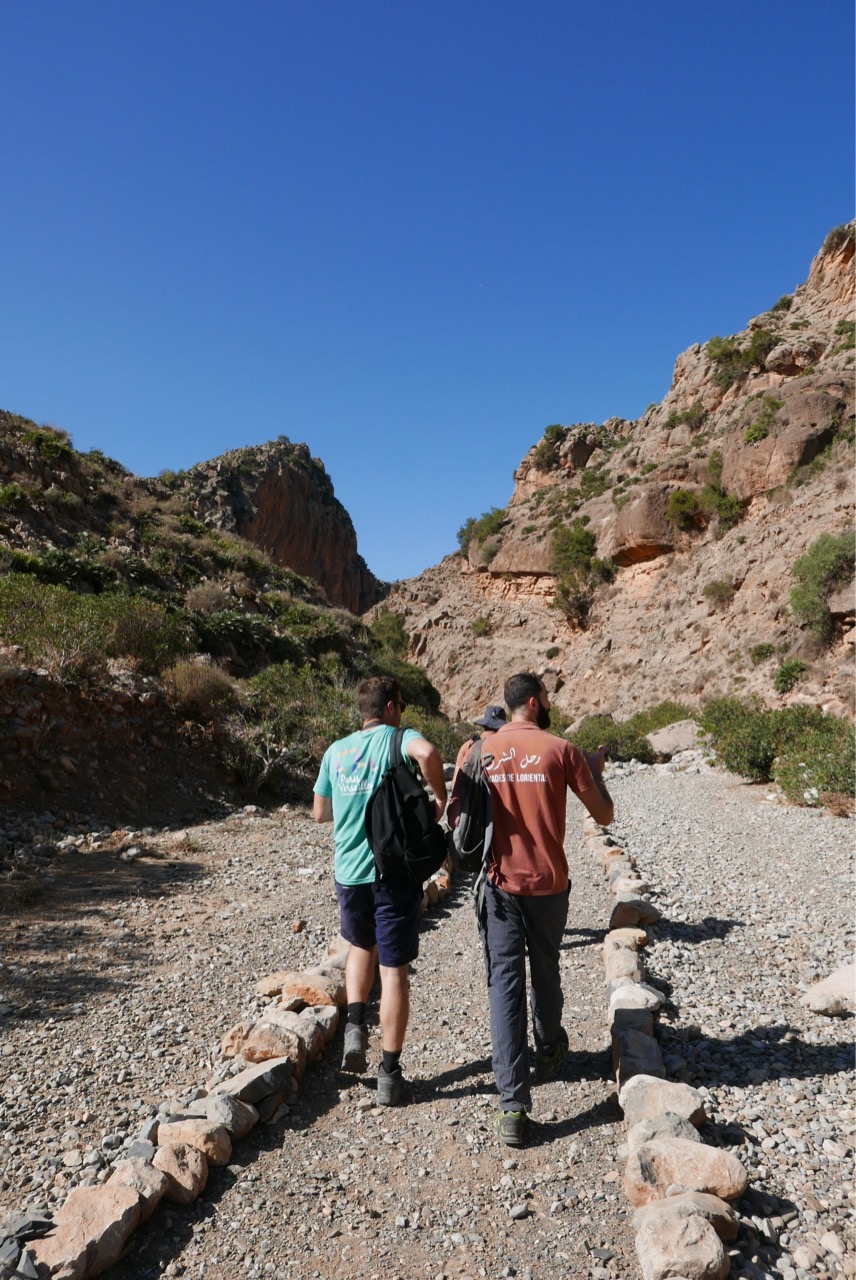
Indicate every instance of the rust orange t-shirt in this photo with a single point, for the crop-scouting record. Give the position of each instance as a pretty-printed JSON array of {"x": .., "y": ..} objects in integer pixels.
[{"x": 529, "y": 776}]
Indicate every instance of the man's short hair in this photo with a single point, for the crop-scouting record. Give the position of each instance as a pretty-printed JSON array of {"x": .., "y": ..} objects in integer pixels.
[
  {"x": 520, "y": 688},
  {"x": 373, "y": 695}
]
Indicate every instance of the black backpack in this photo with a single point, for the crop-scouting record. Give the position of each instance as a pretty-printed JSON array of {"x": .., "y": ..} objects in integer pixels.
[
  {"x": 469, "y": 842},
  {"x": 407, "y": 843}
]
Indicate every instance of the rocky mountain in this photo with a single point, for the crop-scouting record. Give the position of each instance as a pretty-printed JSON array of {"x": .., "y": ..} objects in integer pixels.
[
  {"x": 651, "y": 559},
  {"x": 174, "y": 528},
  {"x": 280, "y": 498}
]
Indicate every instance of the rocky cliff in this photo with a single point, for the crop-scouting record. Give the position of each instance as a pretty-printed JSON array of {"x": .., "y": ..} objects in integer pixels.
[
  {"x": 280, "y": 498},
  {"x": 652, "y": 559},
  {"x": 93, "y": 518}
]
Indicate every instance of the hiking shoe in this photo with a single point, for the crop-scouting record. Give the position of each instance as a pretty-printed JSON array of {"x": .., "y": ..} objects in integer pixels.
[
  {"x": 511, "y": 1127},
  {"x": 548, "y": 1061},
  {"x": 356, "y": 1043},
  {"x": 389, "y": 1087}
]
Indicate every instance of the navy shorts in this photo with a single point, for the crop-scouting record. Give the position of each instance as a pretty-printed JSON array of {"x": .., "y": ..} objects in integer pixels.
[{"x": 381, "y": 915}]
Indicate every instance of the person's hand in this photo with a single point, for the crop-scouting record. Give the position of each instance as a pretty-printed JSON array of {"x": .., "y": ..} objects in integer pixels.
[
  {"x": 439, "y": 809},
  {"x": 595, "y": 761}
]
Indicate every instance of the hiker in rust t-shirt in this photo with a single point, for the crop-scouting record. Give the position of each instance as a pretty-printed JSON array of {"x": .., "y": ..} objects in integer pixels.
[{"x": 524, "y": 907}]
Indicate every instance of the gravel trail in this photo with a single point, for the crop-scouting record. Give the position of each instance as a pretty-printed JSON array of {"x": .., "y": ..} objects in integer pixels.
[{"x": 121, "y": 982}]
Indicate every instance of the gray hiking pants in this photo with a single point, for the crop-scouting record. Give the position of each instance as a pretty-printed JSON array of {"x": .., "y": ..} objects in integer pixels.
[{"x": 512, "y": 925}]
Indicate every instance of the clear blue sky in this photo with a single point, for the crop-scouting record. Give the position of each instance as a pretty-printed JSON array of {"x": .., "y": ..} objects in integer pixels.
[{"x": 409, "y": 233}]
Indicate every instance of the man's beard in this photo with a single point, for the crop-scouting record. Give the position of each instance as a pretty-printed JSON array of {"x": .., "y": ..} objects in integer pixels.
[{"x": 543, "y": 720}]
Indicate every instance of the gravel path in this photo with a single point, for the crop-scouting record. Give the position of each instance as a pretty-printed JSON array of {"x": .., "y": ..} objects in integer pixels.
[{"x": 121, "y": 982}]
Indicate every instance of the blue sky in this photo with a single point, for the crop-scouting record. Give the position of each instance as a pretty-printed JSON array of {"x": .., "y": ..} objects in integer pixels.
[{"x": 411, "y": 234}]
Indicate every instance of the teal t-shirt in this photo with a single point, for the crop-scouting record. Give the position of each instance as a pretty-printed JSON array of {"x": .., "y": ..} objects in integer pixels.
[{"x": 350, "y": 771}]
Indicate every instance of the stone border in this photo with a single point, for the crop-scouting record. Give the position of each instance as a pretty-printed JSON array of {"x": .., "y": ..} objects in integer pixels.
[
  {"x": 678, "y": 1185},
  {"x": 171, "y": 1156}
]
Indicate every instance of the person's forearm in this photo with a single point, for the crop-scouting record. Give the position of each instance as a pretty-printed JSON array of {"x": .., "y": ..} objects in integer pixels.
[{"x": 432, "y": 771}]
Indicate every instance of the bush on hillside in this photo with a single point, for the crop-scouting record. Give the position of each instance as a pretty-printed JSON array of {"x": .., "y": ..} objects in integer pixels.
[
  {"x": 787, "y": 674},
  {"x": 827, "y": 564},
  {"x": 719, "y": 593},
  {"x": 200, "y": 689},
  {"x": 809, "y": 754},
  {"x": 447, "y": 738},
  {"x": 73, "y": 634},
  {"x": 388, "y": 633},
  {"x": 622, "y": 741},
  {"x": 293, "y": 714},
  {"x": 480, "y": 529},
  {"x": 684, "y": 509}
]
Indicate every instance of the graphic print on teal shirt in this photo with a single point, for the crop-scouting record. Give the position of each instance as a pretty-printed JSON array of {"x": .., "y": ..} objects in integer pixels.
[{"x": 350, "y": 771}]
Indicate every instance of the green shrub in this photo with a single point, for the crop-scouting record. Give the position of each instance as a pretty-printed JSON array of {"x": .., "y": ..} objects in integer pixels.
[
  {"x": 594, "y": 481},
  {"x": 292, "y": 716},
  {"x": 578, "y": 571},
  {"x": 200, "y": 689},
  {"x": 733, "y": 362},
  {"x": 622, "y": 741},
  {"x": 56, "y": 628},
  {"x": 784, "y": 303},
  {"x": 574, "y": 596},
  {"x": 809, "y": 754},
  {"x": 481, "y": 626},
  {"x": 684, "y": 509},
  {"x": 760, "y": 428},
  {"x": 814, "y": 760},
  {"x": 743, "y": 737},
  {"x": 13, "y": 497},
  {"x": 760, "y": 653},
  {"x": 719, "y": 592},
  {"x": 552, "y": 651},
  {"x": 49, "y": 443},
  {"x": 547, "y": 450},
  {"x": 572, "y": 547},
  {"x": 826, "y": 565},
  {"x": 692, "y": 417},
  {"x": 837, "y": 238},
  {"x": 486, "y": 526},
  {"x": 447, "y": 738},
  {"x": 143, "y": 631},
  {"x": 659, "y": 716},
  {"x": 388, "y": 633},
  {"x": 715, "y": 464},
  {"x": 787, "y": 674}
]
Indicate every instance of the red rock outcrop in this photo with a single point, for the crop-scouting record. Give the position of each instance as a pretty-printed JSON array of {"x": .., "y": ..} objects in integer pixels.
[
  {"x": 280, "y": 498},
  {"x": 691, "y": 599}
]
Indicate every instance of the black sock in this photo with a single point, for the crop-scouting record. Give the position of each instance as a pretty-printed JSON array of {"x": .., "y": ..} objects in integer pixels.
[
  {"x": 356, "y": 1013},
  {"x": 390, "y": 1061}
]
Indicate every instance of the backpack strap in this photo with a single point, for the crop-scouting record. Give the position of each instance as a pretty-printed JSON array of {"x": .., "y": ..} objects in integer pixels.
[{"x": 395, "y": 748}]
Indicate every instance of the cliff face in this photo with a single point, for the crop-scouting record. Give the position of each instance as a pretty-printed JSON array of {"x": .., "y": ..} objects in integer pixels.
[
  {"x": 699, "y": 509},
  {"x": 164, "y": 531},
  {"x": 281, "y": 499}
]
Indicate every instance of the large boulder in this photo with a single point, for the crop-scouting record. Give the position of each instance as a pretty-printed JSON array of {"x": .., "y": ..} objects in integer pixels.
[
  {"x": 645, "y": 1096},
  {"x": 674, "y": 1247},
  {"x": 673, "y": 1162},
  {"x": 641, "y": 530},
  {"x": 91, "y": 1230}
]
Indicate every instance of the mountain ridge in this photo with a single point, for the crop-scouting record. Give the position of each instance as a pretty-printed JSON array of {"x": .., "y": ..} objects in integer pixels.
[{"x": 695, "y": 515}]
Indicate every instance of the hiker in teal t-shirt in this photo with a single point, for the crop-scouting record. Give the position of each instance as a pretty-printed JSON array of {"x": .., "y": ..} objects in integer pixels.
[
  {"x": 380, "y": 922},
  {"x": 350, "y": 772}
]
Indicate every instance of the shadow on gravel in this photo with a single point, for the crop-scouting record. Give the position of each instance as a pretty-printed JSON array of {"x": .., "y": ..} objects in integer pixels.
[
  {"x": 582, "y": 938},
  {"x": 696, "y": 932},
  {"x": 764, "y": 1053},
  {"x": 540, "y": 1133},
  {"x": 70, "y": 944}
]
